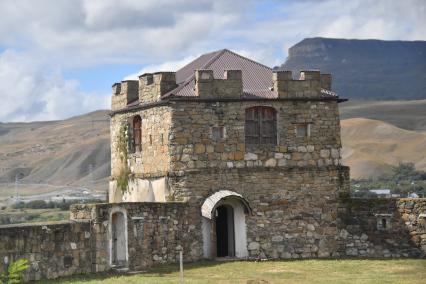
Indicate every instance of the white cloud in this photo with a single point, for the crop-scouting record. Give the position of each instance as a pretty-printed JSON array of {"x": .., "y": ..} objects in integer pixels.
[
  {"x": 29, "y": 92},
  {"x": 53, "y": 35},
  {"x": 166, "y": 66}
]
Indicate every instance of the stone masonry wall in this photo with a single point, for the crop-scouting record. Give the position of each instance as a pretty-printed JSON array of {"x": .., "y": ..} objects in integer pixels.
[
  {"x": 152, "y": 161},
  {"x": 53, "y": 249},
  {"x": 156, "y": 233},
  {"x": 404, "y": 233},
  {"x": 192, "y": 146},
  {"x": 294, "y": 209},
  {"x": 154, "y": 157}
]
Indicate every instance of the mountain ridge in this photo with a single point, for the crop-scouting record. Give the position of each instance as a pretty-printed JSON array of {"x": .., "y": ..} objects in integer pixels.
[{"x": 365, "y": 69}]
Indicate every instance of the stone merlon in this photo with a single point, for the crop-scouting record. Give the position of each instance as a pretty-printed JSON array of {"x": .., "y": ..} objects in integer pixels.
[{"x": 206, "y": 86}]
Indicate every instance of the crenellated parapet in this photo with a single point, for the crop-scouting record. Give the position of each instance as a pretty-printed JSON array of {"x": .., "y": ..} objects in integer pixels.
[
  {"x": 206, "y": 86},
  {"x": 124, "y": 93},
  {"x": 308, "y": 85},
  {"x": 153, "y": 85}
]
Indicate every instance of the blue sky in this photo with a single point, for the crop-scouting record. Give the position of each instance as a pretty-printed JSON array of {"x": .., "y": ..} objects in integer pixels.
[{"x": 59, "y": 58}]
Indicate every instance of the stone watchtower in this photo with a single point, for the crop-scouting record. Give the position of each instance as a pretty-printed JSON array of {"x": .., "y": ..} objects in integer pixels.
[{"x": 255, "y": 153}]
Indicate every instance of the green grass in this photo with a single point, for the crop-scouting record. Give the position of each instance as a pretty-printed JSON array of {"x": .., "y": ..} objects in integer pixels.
[{"x": 296, "y": 271}]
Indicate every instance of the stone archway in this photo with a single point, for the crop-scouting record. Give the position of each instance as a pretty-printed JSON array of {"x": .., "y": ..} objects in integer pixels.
[
  {"x": 118, "y": 237},
  {"x": 224, "y": 225}
]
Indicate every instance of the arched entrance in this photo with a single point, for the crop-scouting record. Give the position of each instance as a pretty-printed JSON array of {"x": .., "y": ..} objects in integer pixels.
[
  {"x": 224, "y": 231},
  {"x": 118, "y": 238},
  {"x": 224, "y": 225}
]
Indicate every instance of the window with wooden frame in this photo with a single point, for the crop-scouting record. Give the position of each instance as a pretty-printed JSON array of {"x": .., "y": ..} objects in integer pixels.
[
  {"x": 218, "y": 133},
  {"x": 261, "y": 126},
  {"x": 303, "y": 130},
  {"x": 137, "y": 133}
]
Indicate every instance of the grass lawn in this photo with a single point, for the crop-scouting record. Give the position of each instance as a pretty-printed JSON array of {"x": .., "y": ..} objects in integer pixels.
[{"x": 295, "y": 271}]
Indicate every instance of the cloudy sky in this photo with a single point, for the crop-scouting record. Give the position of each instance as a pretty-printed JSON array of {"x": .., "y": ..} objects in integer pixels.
[{"x": 59, "y": 58}]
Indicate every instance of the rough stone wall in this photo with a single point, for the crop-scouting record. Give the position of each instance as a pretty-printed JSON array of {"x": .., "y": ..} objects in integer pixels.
[
  {"x": 294, "y": 209},
  {"x": 156, "y": 231},
  {"x": 53, "y": 250},
  {"x": 365, "y": 236},
  {"x": 192, "y": 146},
  {"x": 153, "y": 159},
  {"x": 151, "y": 162}
]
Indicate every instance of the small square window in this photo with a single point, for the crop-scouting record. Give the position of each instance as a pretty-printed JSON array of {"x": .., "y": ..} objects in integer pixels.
[
  {"x": 383, "y": 222},
  {"x": 303, "y": 130},
  {"x": 218, "y": 133}
]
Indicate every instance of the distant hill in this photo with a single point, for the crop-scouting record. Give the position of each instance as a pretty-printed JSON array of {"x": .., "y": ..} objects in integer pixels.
[
  {"x": 410, "y": 115},
  {"x": 74, "y": 151},
  {"x": 371, "y": 147},
  {"x": 365, "y": 69}
]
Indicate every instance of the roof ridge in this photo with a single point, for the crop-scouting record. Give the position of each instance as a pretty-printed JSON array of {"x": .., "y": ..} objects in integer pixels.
[
  {"x": 214, "y": 58},
  {"x": 206, "y": 65},
  {"x": 246, "y": 58}
]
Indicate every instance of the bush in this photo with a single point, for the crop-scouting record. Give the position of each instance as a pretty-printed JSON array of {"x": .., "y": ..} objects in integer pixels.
[{"x": 36, "y": 204}]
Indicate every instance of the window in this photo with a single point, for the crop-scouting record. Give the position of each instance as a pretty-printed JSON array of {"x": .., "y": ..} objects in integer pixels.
[
  {"x": 261, "y": 126},
  {"x": 134, "y": 127},
  {"x": 303, "y": 130},
  {"x": 383, "y": 222},
  {"x": 218, "y": 133}
]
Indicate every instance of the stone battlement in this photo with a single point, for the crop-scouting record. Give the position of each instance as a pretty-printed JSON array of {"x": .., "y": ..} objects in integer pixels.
[
  {"x": 149, "y": 88},
  {"x": 207, "y": 86},
  {"x": 308, "y": 85},
  {"x": 152, "y": 86}
]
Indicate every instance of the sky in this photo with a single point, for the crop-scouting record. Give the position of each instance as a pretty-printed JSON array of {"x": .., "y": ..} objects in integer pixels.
[{"x": 59, "y": 58}]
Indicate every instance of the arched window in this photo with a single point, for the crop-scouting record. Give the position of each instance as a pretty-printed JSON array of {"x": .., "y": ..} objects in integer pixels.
[
  {"x": 261, "y": 126},
  {"x": 137, "y": 133}
]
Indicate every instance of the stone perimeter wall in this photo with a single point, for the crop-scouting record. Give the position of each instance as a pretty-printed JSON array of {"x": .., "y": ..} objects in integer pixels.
[
  {"x": 53, "y": 250},
  {"x": 280, "y": 227},
  {"x": 156, "y": 234},
  {"x": 365, "y": 236}
]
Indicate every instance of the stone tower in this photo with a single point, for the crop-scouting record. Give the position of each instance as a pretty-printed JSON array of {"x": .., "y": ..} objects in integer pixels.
[{"x": 255, "y": 152}]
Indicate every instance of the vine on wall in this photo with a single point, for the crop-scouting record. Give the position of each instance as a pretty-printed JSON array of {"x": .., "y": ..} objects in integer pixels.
[{"x": 122, "y": 149}]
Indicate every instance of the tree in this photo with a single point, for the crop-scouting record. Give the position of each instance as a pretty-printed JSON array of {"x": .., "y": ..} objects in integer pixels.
[{"x": 404, "y": 171}]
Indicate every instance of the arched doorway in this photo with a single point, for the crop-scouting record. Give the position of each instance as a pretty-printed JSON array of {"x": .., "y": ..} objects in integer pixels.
[
  {"x": 118, "y": 238},
  {"x": 224, "y": 231},
  {"x": 224, "y": 225}
]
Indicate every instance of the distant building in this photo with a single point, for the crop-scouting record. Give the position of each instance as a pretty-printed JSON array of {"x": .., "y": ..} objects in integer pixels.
[{"x": 384, "y": 193}]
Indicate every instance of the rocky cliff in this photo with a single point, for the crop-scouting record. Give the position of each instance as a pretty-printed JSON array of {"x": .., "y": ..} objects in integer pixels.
[{"x": 365, "y": 69}]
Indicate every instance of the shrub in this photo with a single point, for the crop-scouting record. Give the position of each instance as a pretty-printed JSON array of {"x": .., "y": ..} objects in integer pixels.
[{"x": 14, "y": 272}]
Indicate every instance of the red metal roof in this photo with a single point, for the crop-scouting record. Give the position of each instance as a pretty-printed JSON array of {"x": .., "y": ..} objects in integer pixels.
[{"x": 257, "y": 78}]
